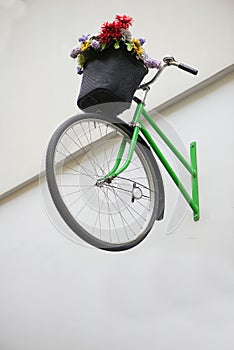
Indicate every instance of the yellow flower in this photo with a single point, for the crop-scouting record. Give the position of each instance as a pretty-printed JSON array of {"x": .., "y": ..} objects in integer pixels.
[
  {"x": 137, "y": 46},
  {"x": 85, "y": 45}
]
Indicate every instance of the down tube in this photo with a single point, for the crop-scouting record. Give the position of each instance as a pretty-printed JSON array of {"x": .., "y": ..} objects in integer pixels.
[
  {"x": 130, "y": 154},
  {"x": 115, "y": 171}
]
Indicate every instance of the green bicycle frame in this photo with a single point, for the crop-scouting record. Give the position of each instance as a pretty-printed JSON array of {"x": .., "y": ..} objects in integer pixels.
[{"x": 193, "y": 200}]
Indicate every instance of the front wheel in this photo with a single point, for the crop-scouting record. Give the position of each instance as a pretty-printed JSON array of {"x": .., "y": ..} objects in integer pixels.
[{"x": 113, "y": 215}]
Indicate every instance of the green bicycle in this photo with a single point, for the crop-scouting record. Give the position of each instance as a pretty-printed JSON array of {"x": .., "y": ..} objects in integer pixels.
[{"x": 104, "y": 179}]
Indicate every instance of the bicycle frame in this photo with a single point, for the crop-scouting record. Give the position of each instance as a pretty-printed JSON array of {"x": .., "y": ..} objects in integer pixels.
[{"x": 193, "y": 200}]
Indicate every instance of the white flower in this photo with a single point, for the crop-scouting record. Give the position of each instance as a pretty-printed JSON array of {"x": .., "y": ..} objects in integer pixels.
[{"x": 126, "y": 34}]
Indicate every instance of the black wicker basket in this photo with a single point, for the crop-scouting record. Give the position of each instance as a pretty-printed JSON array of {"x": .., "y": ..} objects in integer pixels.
[{"x": 113, "y": 75}]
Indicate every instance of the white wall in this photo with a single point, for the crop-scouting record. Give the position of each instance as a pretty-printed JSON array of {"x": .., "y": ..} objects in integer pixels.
[
  {"x": 38, "y": 81},
  {"x": 174, "y": 291}
]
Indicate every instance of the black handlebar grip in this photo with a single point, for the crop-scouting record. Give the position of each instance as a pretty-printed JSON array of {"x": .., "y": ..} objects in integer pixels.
[{"x": 188, "y": 69}]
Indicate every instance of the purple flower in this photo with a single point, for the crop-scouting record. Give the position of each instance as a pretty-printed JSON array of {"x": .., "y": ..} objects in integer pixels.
[
  {"x": 142, "y": 41},
  {"x": 83, "y": 38},
  {"x": 79, "y": 70},
  {"x": 95, "y": 44},
  {"x": 74, "y": 53},
  {"x": 152, "y": 63}
]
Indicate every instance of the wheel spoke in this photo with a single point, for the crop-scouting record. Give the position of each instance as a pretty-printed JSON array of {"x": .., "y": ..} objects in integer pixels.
[{"x": 115, "y": 213}]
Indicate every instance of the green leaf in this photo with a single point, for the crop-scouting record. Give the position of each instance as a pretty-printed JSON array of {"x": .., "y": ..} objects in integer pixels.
[
  {"x": 116, "y": 46},
  {"x": 103, "y": 45},
  {"x": 129, "y": 46}
]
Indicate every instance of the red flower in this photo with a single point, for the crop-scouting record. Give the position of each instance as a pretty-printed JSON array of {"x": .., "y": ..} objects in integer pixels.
[
  {"x": 125, "y": 21},
  {"x": 110, "y": 31}
]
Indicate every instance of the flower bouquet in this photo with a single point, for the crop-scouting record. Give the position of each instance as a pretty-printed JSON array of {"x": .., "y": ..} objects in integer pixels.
[{"x": 113, "y": 64}]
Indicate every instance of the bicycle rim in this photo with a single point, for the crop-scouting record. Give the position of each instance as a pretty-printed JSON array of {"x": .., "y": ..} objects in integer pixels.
[{"x": 112, "y": 216}]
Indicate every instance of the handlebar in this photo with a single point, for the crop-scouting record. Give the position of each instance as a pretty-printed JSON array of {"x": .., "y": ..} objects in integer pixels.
[
  {"x": 188, "y": 69},
  {"x": 169, "y": 61}
]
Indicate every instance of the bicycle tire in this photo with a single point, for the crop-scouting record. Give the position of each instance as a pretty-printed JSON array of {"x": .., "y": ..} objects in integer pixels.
[{"x": 114, "y": 128}]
